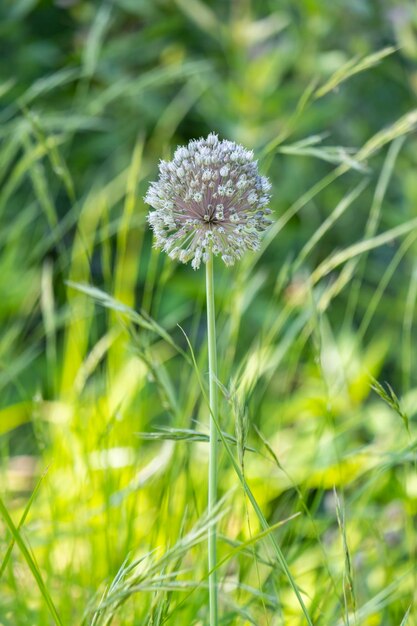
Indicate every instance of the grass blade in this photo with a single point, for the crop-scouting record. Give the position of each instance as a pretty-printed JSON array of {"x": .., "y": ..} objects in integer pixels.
[
  {"x": 21, "y": 522},
  {"x": 15, "y": 532}
]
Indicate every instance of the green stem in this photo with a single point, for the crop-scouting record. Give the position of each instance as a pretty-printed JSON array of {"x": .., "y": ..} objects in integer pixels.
[{"x": 212, "y": 477}]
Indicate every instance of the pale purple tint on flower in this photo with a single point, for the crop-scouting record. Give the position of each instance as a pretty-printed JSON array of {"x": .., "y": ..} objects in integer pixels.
[{"x": 209, "y": 197}]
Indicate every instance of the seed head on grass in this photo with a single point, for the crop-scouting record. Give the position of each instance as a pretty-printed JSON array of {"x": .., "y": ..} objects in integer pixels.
[{"x": 209, "y": 197}]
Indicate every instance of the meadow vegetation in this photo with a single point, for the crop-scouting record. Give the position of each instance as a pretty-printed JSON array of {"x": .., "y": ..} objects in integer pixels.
[{"x": 103, "y": 351}]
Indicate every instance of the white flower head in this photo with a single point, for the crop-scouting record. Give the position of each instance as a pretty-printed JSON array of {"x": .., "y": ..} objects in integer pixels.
[{"x": 210, "y": 197}]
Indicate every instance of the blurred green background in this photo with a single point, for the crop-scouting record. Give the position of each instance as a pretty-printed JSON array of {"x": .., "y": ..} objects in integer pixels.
[{"x": 316, "y": 332}]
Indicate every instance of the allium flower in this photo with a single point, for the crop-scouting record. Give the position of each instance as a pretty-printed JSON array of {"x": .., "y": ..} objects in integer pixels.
[{"x": 210, "y": 197}]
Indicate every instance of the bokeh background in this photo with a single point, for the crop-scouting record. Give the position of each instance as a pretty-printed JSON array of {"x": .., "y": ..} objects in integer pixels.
[{"x": 102, "y": 422}]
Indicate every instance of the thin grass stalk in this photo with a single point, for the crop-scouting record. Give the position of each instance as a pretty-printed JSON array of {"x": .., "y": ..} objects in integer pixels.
[{"x": 212, "y": 475}]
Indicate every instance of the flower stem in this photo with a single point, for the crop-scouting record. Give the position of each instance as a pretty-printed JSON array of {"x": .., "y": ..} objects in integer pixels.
[{"x": 212, "y": 477}]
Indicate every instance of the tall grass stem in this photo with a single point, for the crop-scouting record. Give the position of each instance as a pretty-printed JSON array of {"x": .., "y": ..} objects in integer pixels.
[{"x": 212, "y": 477}]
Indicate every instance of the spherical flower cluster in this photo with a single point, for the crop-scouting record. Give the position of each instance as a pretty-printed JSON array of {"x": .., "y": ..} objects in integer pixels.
[{"x": 209, "y": 198}]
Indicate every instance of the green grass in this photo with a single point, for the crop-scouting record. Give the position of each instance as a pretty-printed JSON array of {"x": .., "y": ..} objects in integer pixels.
[{"x": 104, "y": 410}]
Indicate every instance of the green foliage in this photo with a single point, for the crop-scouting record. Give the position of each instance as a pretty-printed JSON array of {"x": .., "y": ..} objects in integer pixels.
[{"x": 103, "y": 356}]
